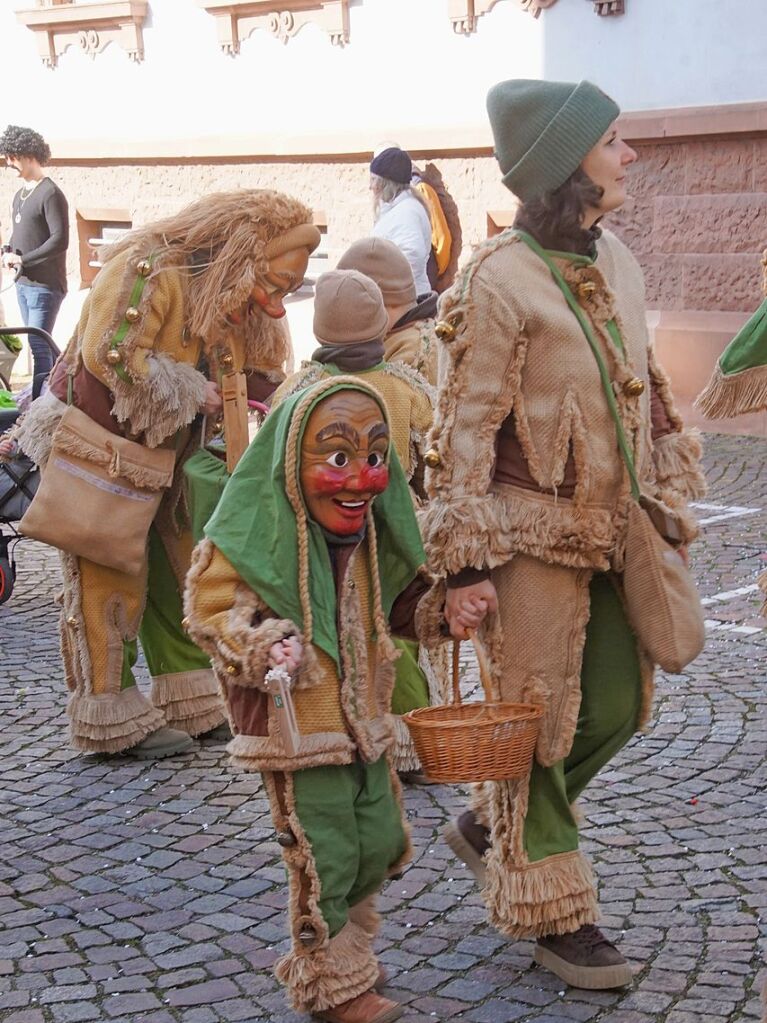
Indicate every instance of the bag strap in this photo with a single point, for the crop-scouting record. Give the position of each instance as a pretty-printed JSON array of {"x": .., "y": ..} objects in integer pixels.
[{"x": 604, "y": 375}]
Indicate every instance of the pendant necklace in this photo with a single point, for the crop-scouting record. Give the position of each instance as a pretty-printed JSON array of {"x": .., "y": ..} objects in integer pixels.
[{"x": 22, "y": 199}]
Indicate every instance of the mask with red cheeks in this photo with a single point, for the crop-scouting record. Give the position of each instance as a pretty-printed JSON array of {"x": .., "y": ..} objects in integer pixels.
[{"x": 343, "y": 460}]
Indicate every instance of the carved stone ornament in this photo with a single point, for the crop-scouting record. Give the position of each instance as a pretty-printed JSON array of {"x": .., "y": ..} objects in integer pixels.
[
  {"x": 90, "y": 26},
  {"x": 237, "y": 19},
  {"x": 464, "y": 14},
  {"x": 608, "y": 7}
]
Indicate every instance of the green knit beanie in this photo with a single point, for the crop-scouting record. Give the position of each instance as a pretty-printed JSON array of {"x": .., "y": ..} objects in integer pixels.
[{"x": 543, "y": 130}]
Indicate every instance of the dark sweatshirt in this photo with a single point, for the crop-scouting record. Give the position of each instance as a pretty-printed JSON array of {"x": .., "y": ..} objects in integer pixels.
[{"x": 42, "y": 235}]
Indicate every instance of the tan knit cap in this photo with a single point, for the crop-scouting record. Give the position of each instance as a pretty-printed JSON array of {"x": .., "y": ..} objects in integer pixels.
[
  {"x": 348, "y": 309},
  {"x": 386, "y": 264}
]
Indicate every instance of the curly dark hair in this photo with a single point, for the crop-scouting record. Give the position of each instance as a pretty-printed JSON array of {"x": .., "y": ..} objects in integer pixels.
[
  {"x": 554, "y": 220},
  {"x": 17, "y": 141}
]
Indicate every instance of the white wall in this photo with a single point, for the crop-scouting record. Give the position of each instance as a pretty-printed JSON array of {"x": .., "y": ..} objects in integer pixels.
[{"x": 403, "y": 70}]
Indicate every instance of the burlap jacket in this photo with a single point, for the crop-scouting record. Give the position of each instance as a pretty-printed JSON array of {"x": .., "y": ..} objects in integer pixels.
[{"x": 518, "y": 349}]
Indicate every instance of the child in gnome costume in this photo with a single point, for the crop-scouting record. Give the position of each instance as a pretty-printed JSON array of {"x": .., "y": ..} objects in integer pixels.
[
  {"x": 311, "y": 556},
  {"x": 529, "y": 498},
  {"x": 738, "y": 384},
  {"x": 175, "y": 303},
  {"x": 410, "y": 338},
  {"x": 350, "y": 322}
]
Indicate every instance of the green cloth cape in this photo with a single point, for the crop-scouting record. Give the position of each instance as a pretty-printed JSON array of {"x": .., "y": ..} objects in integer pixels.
[
  {"x": 254, "y": 527},
  {"x": 739, "y": 381}
]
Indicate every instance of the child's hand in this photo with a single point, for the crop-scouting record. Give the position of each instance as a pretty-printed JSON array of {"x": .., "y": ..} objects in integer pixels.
[
  {"x": 286, "y": 654},
  {"x": 8, "y": 448}
]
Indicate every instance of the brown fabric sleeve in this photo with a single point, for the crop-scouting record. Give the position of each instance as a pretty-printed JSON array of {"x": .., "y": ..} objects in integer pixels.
[
  {"x": 467, "y": 577},
  {"x": 661, "y": 423},
  {"x": 402, "y": 617}
]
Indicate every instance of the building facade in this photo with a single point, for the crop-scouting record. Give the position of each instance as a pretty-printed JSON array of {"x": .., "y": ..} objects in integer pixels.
[{"x": 148, "y": 104}]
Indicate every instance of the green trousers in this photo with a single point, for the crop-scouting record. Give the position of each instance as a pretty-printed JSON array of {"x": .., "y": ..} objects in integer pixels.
[
  {"x": 611, "y": 689},
  {"x": 353, "y": 823},
  {"x": 167, "y": 648}
]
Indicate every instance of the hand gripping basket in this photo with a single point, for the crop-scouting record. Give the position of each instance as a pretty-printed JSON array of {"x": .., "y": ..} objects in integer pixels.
[{"x": 471, "y": 742}]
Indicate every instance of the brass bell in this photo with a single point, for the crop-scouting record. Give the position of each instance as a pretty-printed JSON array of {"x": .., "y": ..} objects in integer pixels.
[
  {"x": 132, "y": 314},
  {"x": 633, "y": 388},
  {"x": 227, "y": 360},
  {"x": 232, "y": 669},
  {"x": 144, "y": 267},
  {"x": 114, "y": 357},
  {"x": 307, "y": 936},
  {"x": 445, "y": 331},
  {"x": 72, "y": 621},
  {"x": 433, "y": 458},
  {"x": 286, "y": 839},
  {"x": 185, "y": 623},
  {"x": 587, "y": 289}
]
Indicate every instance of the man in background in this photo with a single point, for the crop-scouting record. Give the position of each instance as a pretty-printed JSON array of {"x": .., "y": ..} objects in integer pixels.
[{"x": 37, "y": 248}]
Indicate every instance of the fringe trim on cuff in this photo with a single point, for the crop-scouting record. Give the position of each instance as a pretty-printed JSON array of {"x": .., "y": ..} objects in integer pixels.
[
  {"x": 762, "y": 584},
  {"x": 556, "y": 895},
  {"x": 345, "y": 968},
  {"x": 484, "y": 532},
  {"x": 159, "y": 406},
  {"x": 190, "y": 699},
  {"x": 429, "y": 617},
  {"x": 34, "y": 430},
  {"x": 112, "y": 722},
  {"x": 734, "y": 394},
  {"x": 266, "y": 753},
  {"x": 677, "y": 464},
  {"x": 402, "y": 753}
]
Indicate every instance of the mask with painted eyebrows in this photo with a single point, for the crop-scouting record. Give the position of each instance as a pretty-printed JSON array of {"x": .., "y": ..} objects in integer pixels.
[{"x": 343, "y": 460}]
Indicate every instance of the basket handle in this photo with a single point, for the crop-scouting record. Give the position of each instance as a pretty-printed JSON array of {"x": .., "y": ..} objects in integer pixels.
[{"x": 484, "y": 669}]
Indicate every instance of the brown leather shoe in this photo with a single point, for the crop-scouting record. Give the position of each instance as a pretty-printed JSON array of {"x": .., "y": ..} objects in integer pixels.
[
  {"x": 469, "y": 840},
  {"x": 584, "y": 959},
  {"x": 366, "y": 1008}
]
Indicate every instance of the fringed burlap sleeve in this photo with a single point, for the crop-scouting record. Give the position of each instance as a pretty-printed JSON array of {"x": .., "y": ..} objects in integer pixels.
[
  {"x": 232, "y": 624},
  {"x": 677, "y": 453},
  {"x": 480, "y": 376}
]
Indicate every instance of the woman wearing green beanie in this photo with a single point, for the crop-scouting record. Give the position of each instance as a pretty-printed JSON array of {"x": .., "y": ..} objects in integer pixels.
[{"x": 530, "y": 496}]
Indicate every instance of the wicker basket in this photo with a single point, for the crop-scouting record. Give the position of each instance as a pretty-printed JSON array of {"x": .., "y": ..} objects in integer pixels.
[{"x": 473, "y": 742}]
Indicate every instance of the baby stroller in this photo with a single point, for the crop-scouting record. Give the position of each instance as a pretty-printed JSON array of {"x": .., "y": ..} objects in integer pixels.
[{"x": 19, "y": 477}]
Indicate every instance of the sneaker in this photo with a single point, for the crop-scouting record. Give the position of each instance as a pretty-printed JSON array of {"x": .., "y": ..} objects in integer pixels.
[
  {"x": 469, "y": 840},
  {"x": 584, "y": 959},
  {"x": 163, "y": 742},
  {"x": 369, "y": 1007}
]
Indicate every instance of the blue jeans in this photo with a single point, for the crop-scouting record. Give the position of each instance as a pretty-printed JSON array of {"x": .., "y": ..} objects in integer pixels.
[{"x": 39, "y": 307}]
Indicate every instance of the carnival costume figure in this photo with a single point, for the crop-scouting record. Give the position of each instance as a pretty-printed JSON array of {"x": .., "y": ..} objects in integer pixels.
[
  {"x": 175, "y": 304},
  {"x": 351, "y": 323},
  {"x": 312, "y": 556},
  {"x": 529, "y": 501}
]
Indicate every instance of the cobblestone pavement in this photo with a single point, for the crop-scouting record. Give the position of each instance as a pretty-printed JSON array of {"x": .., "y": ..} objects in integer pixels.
[{"x": 155, "y": 893}]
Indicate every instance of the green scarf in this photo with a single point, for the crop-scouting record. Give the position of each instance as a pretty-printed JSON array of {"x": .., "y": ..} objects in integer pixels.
[
  {"x": 254, "y": 526},
  {"x": 739, "y": 381}
]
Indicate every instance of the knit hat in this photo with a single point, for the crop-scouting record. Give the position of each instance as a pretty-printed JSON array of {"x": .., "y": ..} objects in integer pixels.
[
  {"x": 394, "y": 164},
  {"x": 543, "y": 130},
  {"x": 348, "y": 309},
  {"x": 386, "y": 264}
]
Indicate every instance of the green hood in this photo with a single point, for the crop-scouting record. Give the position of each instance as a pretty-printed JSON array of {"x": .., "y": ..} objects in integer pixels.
[{"x": 255, "y": 525}]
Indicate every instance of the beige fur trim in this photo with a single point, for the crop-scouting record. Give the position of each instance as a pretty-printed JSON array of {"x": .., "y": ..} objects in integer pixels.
[
  {"x": 266, "y": 753},
  {"x": 190, "y": 700},
  {"x": 429, "y": 617},
  {"x": 298, "y": 381},
  {"x": 411, "y": 376},
  {"x": 33, "y": 431},
  {"x": 113, "y": 722},
  {"x": 402, "y": 753},
  {"x": 141, "y": 476},
  {"x": 678, "y": 467},
  {"x": 345, "y": 968},
  {"x": 552, "y": 896},
  {"x": 436, "y": 665},
  {"x": 734, "y": 394},
  {"x": 762, "y": 584},
  {"x": 484, "y": 532},
  {"x": 162, "y": 403}
]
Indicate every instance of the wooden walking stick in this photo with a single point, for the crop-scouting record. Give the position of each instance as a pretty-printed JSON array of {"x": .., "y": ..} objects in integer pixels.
[{"x": 234, "y": 393}]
